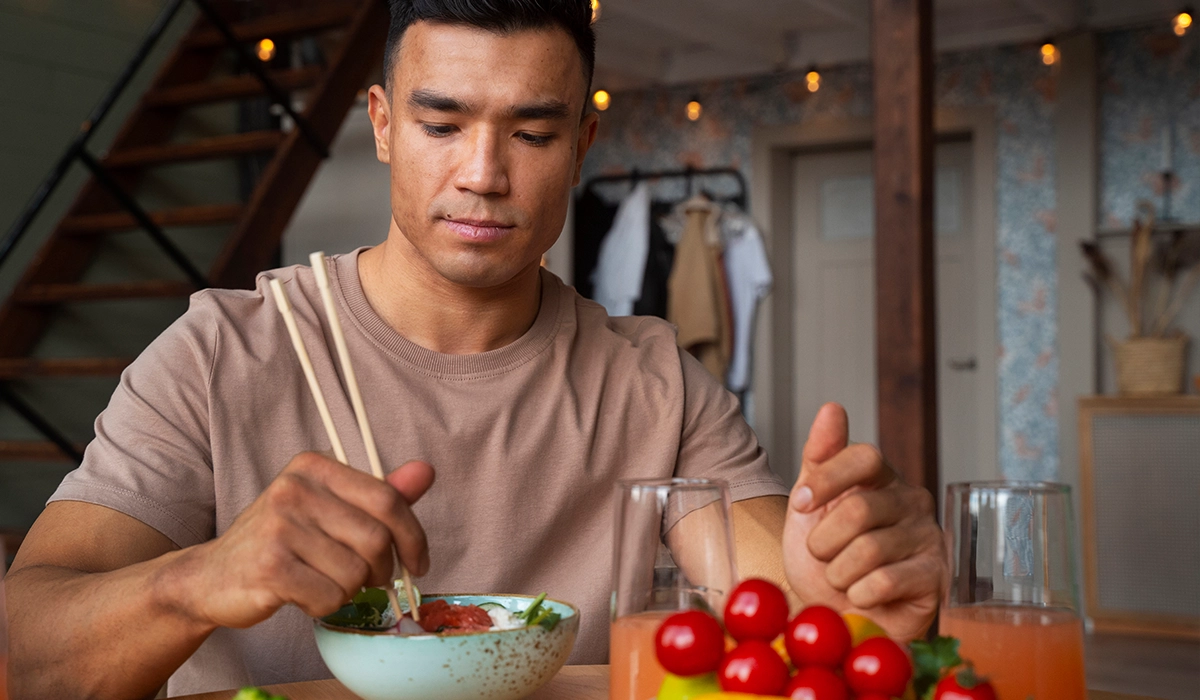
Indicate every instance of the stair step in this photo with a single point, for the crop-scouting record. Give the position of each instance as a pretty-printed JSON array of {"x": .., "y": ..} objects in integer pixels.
[
  {"x": 200, "y": 149},
  {"x": 278, "y": 25},
  {"x": 61, "y": 293},
  {"x": 29, "y": 451},
  {"x": 21, "y": 367},
  {"x": 201, "y": 215},
  {"x": 230, "y": 88}
]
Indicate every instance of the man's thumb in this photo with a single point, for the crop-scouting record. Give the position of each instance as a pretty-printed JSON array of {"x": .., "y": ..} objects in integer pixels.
[
  {"x": 412, "y": 480},
  {"x": 829, "y": 434}
]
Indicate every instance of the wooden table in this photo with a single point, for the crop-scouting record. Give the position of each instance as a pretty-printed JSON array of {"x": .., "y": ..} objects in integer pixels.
[{"x": 573, "y": 682}]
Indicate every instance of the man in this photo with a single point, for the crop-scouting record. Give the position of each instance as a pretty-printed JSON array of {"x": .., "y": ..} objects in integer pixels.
[{"x": 200, "y": 534}]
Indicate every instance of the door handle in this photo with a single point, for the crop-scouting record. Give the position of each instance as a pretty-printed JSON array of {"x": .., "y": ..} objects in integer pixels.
[{"x": 967, "y": 365}]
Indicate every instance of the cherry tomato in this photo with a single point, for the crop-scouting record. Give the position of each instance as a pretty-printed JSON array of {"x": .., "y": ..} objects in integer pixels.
[
  {"x": 816, "y": 683},
  {"x": 753, "y": 667},
  {"x": 757, "y": 609},
  {"x": 689, "y": 643},
  {"x": 817, "y": 636},
  {"x": 878, "y": 665},
  {"x": 964, "y": 686}
]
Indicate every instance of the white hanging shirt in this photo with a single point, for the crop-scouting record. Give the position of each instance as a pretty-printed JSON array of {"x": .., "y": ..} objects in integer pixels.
[
  {"x": 749, "y": 276},
  {"x": 622, "y": 262}
]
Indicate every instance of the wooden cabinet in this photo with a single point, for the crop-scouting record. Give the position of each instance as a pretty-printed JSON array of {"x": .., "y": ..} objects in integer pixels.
[{"x": 1140, "y": 495}]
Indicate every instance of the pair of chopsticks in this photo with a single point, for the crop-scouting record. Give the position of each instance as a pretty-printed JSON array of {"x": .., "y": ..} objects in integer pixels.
[{"x": 360, "y": 412}]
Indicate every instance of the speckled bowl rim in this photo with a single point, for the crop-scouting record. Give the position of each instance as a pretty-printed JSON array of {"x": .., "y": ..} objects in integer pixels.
[{"x": 433, "y": 635}]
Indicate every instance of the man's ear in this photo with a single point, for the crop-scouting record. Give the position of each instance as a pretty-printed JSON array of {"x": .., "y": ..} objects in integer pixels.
[
  {"x": 587, "y": 136},
  {"x": 379, "y": 109}
]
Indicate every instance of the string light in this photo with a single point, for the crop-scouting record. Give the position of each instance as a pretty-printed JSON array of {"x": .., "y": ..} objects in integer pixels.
[
  {"x": 1181, "y": 23},
  {"x": 1049, "y": 53},
  {"x": 813, "y": 78},
  {"x": 595, "y": 10},
  {"x": 602, "y": 100},
  {"x": 694, "y": 110},
  {"x": 265, "y": 50}
]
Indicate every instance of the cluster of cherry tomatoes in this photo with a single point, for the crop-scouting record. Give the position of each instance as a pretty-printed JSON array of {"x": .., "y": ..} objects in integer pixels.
[{"x": 817, "y": 642}]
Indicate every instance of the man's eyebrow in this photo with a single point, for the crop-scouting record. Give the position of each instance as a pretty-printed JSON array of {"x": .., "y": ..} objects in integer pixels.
[
  {"x": 546, "y": 109},
  {"x": 428, "y": 99}
]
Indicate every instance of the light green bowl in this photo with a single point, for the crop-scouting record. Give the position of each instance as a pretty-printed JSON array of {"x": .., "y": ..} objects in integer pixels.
[{"x": 502, "y": 665}]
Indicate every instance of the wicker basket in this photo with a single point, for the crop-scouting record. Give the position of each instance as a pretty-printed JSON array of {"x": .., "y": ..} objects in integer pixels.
[{"x": 1151, "y": 365}]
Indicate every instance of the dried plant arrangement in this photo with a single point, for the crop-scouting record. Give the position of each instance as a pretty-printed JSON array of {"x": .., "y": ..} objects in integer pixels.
[{"x": 1161, "y": 276}]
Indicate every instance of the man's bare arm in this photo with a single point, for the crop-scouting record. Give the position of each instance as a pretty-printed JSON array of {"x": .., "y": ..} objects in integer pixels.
[
  {"x": 758, "y": 541},
  {"x": 90, "y": 600},
  {"x": 103, "y": 606}
]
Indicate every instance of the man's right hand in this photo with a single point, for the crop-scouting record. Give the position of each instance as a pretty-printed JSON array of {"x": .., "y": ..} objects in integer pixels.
[{"x": 314, "y": 537}]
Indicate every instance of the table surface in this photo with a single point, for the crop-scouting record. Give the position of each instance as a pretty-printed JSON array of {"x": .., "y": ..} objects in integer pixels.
[{"x": 575, "y": 682}]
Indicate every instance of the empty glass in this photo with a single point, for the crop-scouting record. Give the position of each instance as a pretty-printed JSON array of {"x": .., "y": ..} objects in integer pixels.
[
  {"x": 672, "y": 550},
  {"x": 1014, "y": 592}
]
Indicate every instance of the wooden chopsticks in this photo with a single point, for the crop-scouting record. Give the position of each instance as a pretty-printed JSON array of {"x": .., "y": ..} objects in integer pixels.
[{"x": 360, "y": 413}]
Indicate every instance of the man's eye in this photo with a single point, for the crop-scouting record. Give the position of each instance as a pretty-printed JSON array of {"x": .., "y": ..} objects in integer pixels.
[
  {"x": 438, "y": 130},
  {"x": 534, "y": 139}
]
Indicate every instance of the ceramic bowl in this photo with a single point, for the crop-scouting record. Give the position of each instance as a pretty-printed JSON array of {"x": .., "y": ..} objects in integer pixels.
[{"x": 501, "y": 665}]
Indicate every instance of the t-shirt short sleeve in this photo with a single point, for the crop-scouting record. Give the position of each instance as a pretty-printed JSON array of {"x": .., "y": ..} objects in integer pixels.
[
  {"x": 151, "y": 458},
  {"x": 717, "y": 443}
]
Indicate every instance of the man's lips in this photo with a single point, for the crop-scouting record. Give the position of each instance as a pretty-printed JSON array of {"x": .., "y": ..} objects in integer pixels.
[{"x": 479, "y": 230}]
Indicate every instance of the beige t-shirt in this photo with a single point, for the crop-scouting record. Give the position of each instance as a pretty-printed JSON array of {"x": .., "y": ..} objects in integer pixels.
[{"x": 527, "y": 440}]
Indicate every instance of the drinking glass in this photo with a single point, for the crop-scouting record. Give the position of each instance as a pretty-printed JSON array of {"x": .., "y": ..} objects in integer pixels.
[
  {"x": 1014, "y": 593},
  {"x": 672, "y": 551}
]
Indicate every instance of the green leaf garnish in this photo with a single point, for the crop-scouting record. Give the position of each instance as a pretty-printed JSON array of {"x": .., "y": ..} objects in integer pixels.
[
  {"x": 365, "y": 611},
  {"x": 931, "y": 661}
]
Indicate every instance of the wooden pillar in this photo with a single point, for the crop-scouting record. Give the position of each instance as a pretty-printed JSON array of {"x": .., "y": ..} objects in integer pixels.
[{"x": 902, "y": 60}]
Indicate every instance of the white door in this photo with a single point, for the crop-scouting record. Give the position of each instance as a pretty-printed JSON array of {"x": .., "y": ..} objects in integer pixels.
[{"x": 834, "y": 300}]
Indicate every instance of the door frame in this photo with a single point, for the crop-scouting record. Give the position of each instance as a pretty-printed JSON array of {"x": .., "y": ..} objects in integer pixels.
[{"x": 773, "y": 148}]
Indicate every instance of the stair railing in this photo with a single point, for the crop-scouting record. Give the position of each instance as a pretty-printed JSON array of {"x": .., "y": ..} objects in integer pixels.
[{"x": 77, "y": 150}]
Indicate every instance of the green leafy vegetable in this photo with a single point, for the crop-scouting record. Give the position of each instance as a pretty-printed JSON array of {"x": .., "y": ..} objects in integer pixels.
[
  {"x": 252, "y": 693},
  {"x": 538, "y": 614},
  {"x": 931, "y": 661},
  {"x": 365, "y": 611}
]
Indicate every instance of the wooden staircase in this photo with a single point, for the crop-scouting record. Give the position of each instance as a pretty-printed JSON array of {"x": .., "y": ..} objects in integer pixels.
[{"x": 197, "y": 73}]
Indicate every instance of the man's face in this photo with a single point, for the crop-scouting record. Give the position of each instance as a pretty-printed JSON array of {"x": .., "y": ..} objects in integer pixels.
[{"x": 484, "y": 138}]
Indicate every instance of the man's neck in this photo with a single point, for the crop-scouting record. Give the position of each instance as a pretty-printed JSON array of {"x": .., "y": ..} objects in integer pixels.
[{"x": 439, "y": 315}]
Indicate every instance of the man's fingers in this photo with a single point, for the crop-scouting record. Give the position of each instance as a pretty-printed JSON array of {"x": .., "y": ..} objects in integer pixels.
[
  {"x": 369, "y": 538},
  {"x": 910, "y": 579},
  {"x": 380, "y": 500},
  {"x": 829, "y": 434},
  {"x": 857, "y": 465},
  {"x": 870, "y": 551},
  {"x": 855, "y": 515},
  {"x": 334, "y": 560},
  {"x": 412, "y": 480},
  {"x": 317, "y": 594}
]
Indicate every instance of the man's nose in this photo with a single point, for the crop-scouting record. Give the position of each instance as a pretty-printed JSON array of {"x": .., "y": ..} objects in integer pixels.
[{"x": 482, "y": 169}]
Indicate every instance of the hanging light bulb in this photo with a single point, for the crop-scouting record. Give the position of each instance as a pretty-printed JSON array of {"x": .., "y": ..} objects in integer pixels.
[
  {"x": 595, "y": 10},
  {"x": 813, "y": 78},
  {"x": 602, "y": 100},
  {"x": 1181, "y": 23},
  {"x": 265, "y": 50},
  {"x": 694, "y": 109},
  {"x": 1049, "y": 53}
]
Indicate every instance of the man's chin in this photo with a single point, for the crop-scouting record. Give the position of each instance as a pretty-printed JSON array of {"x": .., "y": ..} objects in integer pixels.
[{"x": 478, "y": 274}]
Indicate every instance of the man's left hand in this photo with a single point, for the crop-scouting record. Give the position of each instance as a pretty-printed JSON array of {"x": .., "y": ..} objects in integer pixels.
[{"x": 857, "y": 538}]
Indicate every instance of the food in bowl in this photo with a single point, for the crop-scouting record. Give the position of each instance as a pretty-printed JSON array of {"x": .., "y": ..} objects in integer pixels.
[{"x": 365, "y": 647}]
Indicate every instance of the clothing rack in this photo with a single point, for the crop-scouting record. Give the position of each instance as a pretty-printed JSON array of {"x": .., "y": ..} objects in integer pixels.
[{"x": 689, "y": 173}]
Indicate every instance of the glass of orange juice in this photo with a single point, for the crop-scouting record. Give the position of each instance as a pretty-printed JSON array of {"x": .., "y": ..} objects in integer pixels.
[
  {"x": 672, "y": 551},
  {"x": 1014, "y": 593}
]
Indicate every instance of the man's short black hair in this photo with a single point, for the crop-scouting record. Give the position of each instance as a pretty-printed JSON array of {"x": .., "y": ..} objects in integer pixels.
[{"x": 499, "y": 16}]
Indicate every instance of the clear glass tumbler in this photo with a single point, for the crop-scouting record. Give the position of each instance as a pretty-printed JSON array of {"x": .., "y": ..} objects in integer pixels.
[
  {"x": 1013, "y": 600},
  {"x": 672, "y": 551}
]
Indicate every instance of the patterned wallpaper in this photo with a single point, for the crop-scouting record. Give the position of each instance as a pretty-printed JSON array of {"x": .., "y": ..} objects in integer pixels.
[
  {"x": 1142, "y": 77},
  {"x": 1149, "y": 81}
]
